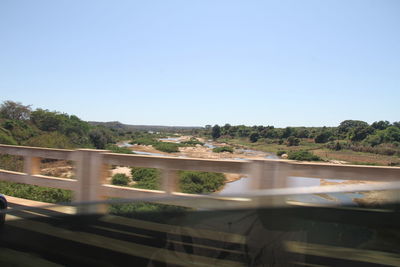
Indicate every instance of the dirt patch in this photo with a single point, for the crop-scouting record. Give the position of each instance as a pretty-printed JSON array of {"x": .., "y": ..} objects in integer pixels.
[
  {"x": 377, "y": 198},
  {"x": 61, "y": 172},
  {"x": 346, "y": 182}
]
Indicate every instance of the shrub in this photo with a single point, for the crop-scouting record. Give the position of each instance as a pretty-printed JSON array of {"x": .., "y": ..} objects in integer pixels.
[
  {"x": 146, "y": 141},
  {"x": 51, "y": 139},
  {"x": 117, "y": 149},
  {"x": 292, "y": 141},
  {"x": 254, "y": 137},
  {"x": 11, "y": 163},
  {"x": 216, "y": 131},
  {"x": 200, "y": 182},
  {"x": 146, "y": 178},
  {"x": 192, "y": 142},
  {"x": 338, "y": 145},
  {"x": 120, "y": 179},
  {"x": 6, "y": 139},
  {"x": 280, "y": 152},
  {"x": 322, "y": 137},
  {"x": 303, "y": 155},
  {"x": 190, "y": 181},
  {"x": 33, "y": 192},
  {"x": 223, "y": 149},
  {"x": 148, "y": 211},
  {"x": 167, "y": 147}
]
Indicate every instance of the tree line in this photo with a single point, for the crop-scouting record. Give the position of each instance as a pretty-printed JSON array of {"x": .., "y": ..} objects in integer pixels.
[
  {"x": 379, "y": 137},
  {"x": 21, "y": 125}
]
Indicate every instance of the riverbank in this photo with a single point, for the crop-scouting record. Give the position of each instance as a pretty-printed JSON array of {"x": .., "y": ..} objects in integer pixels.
[{"x": 336, "y": 157}]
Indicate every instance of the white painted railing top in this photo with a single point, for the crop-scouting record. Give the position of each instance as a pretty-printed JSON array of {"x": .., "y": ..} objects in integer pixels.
[{"x": 91, "y": 168}]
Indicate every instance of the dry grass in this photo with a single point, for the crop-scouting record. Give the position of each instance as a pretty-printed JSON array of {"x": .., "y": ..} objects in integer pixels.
[{"x": 357, "y": 157}]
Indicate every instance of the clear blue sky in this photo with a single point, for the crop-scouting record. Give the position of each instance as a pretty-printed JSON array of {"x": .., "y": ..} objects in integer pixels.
[{"x": 282, "y": 63}]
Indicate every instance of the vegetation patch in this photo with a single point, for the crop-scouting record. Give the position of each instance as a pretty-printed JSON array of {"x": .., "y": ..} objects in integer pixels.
[
  {"x": 167, "y": 147},
  {"x": 303, "y": 155},
  {"x": 192, "y": 142},
  {"x": 148, "y": 211},
  {"x": 223, "y": 149},
  {"x": 120, "y": 179},
  {"x": 200, "y": 182},
  {"x": 146, "y": 178},
  {"x": 37, "y": 193},
  {"x": 117, "y": 149},
  {"x": 280, "y": 152},
  {"x": 145, "y": 141}
]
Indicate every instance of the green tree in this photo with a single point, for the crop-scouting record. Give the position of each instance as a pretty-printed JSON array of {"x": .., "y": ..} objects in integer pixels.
[
  {"x": 46, "y": 120},
  {"x": 380, "y": 125},
  {"x": 288, "y": 131},
  {"x": 359, "y": 133},
  {"x": 254, "y": 136},
  {"x": 323, "y": 137},
  {"x": 391, "y": 134},
  {"x": 14, "y": 111},
  {"x": 216, "y": 131},
  {"x": 347, "y": 125},
  {"x": 292, "y": 141},
  {"x": 100, "y": 137}
]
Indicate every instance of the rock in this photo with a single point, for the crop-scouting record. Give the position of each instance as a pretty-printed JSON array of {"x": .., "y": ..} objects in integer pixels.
[{"x": 284, "y": 156}]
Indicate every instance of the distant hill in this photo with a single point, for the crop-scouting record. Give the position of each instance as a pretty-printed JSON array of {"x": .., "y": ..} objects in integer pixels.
[{"x": 118, "y": 125}]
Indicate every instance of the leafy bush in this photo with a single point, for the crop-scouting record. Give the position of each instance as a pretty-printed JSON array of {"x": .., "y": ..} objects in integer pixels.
[
  {"x": 382, "y": 149},
  {"x": 167, "y": 147},
  {"x": 100, "y": 137},
  {"x": 303, "y": 155},
  {"x": 192, "y": 142},
  {"x": 280, "y": 152},
  {"x": 20, "y": 130},
  {"x": 148, "y": 211},
  {"x": 120, "y": 179},
  {"x": 146, "y": 178},
  {"x": 51, "y": 139},
  {"x": 11, "y": 163},
  {"x": 338, "y": 145},
  {"x": 223, "y": 149},
  {"x": 200, "y": 182},
  {"x": 117, "y": 149},
  {"x": 190, "y": 181},
  {"x": 254, "y": 137},
  {"x": 292, "y": 141},
  {"x": 146, "y": 141},
  {"x": 14, "y": 111},
  {"x": 6, "y": 139},
  {"x": 33, "y": 192},
  {"x": 322, "y": 137}
]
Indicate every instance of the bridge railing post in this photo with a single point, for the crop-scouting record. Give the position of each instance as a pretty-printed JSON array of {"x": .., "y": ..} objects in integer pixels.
[
  {"x": 31, "y": 165},
  {"x": 169, "y": 180},
  {"x": 269, "y": 175},
  {"x": 91, "y": 173}
]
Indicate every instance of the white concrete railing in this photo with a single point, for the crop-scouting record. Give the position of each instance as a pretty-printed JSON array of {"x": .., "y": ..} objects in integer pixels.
[{"x": 91, "y": 167}]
